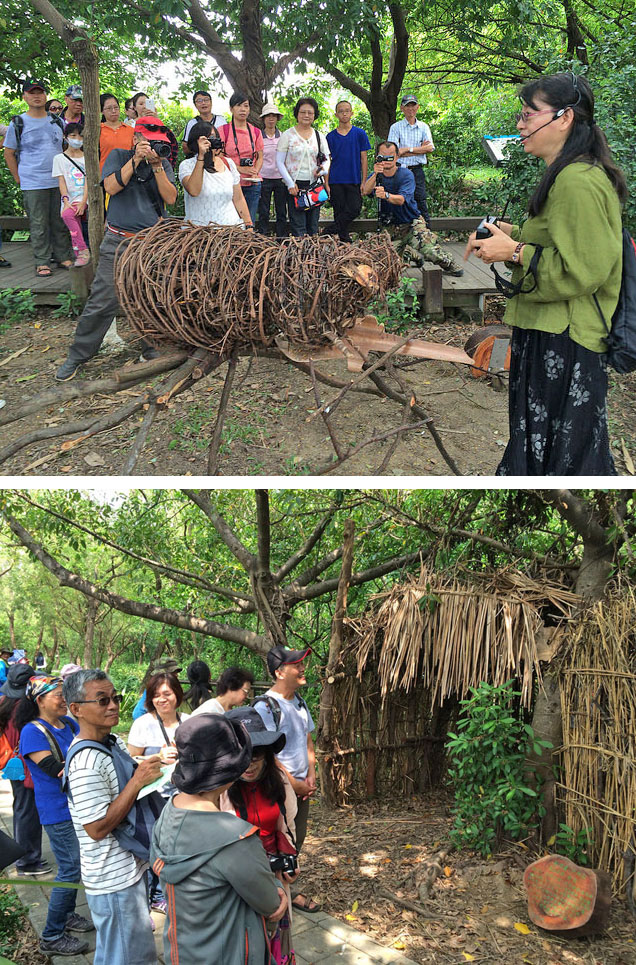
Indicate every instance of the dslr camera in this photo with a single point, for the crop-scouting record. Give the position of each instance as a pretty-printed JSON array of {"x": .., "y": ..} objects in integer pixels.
[
  {"x": 287, "y": 863},
  {"x": 246, "y": 162},
  {"x": 482, "y": 231},
  {"x": 160, "y": 148},
  {"x": 320, "y": 158}
]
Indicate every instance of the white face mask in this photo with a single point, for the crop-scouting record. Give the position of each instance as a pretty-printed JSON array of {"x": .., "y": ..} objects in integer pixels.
[{"x": 75, "y": 142}]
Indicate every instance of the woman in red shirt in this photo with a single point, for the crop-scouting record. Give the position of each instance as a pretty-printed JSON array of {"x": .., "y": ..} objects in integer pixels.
[{"x": 264, "y": 797}]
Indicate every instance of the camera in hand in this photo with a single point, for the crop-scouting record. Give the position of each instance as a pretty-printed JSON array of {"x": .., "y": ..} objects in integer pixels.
[
  {"x": 160, "y": 148},
  {"x": 216, "y": 144},
  {"x": 320, "y": 158},
  {"x": 246, "y": 162},
  {"x": 384, "y": 157},
  {"x": 287, "y": 863},
  {"x": 482, "y": 231}
]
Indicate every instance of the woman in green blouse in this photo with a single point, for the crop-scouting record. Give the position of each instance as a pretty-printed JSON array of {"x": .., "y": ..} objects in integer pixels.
[{"x": 568, "y": 250}]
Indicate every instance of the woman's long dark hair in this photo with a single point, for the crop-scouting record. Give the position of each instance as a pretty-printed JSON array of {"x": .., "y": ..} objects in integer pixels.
[
  {"x": 586, "y": 141},
  {"x": 199, "y": 677},
  {"x": 7, "y": 706},
  {"x": 27, "y": 711},
  {"x": 270, "y": 782}
]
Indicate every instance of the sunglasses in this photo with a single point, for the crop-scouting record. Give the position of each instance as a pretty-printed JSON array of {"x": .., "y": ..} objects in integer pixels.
[
  {"x": 103, "y": 701},
  {"x": 55, "y": 110},
  {"x": 155, "y": 128}
]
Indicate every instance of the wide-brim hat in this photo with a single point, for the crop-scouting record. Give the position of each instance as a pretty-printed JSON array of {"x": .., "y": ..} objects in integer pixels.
[
  {"x": 18, "y": 677},
  {"x": 213, "y": 751},
  {"x": 270, "y": 108},
  {"x": 278, "y": 656},
  {"x": 143, "y": 125},
  {"x": 561, "y": 895},
  {"x": 255, "y": 726}
]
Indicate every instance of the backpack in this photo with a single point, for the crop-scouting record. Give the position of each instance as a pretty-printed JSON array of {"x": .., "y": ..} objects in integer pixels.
[
  {"x": 274, "y": 707},
  {"x": 621, "y": 335},
  {"x": 6, "y": 750},
  {"x": 18, "y": 125},
  {"x": 135, "y": 831}
]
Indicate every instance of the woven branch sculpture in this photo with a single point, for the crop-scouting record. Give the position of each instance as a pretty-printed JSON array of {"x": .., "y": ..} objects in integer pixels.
[{"x": 219, "y": 288}]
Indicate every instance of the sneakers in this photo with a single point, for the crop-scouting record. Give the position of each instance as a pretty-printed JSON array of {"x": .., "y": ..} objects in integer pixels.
[
  {"x": 67, "y": 370},
  {"x": 75, "y": 922},
  {"x": 35, "y": 870},
  {"x": 65, "y": 945},
  {"x": 160, "y": 905},
  {"x": 149, "y": 353},
  {"x": 82, "y": 258}
]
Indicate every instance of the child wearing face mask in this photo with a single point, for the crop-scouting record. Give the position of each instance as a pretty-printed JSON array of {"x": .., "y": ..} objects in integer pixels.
[{"x": 69, "y": 169}]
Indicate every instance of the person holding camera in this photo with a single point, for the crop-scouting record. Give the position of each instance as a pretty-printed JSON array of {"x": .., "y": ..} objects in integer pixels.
[
  {"x": 244, "y": 145},
  {"x": 264, "y": 797},
  {"x": 302, "y": 156},
  {"x": 566, "y": 262},
  {"x": 214, "y": 871},
  {"x": 394, "y": 187},
  {"x": 414, "y": 143},
  {"x": 211, "y": 182},
  {"x": 140, "y": 183}
]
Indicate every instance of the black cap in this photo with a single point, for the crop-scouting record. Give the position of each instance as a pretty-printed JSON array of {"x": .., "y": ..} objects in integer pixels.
[
  {"x": 277, "y": 656},
  {"x": 253, "y": 723},
  {"x": 30, "y": 85},
  {"x": 18, "y": 677},
  {"x": 213, "y": 751}
]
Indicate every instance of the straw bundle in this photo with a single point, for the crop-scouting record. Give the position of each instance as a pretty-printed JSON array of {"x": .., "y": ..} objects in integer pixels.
[{"x": 598, "y": 701}]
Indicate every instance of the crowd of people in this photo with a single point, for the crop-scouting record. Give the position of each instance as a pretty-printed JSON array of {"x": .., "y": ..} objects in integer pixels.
[{"x": 200, "y": 817}]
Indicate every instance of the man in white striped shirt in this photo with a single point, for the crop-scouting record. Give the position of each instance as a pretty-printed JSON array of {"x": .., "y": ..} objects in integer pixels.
[
  {"x": 414, "y": 141},
  {"x": 114, "y": 879}
]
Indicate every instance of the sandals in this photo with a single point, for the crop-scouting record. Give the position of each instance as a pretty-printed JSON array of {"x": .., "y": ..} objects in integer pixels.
[
  {"x": 43, "y": 271},
  {"x": 66, "y": 265},
  {"x": 308, "y": 904}
]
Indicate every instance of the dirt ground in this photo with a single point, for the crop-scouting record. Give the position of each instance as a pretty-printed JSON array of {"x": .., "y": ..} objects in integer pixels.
[
  {"x": 477, "y": 911},
  {"x": 271, "y": 427}
]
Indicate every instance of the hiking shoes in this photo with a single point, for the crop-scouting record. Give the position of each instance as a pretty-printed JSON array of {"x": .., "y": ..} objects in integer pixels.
[
  {"x": 64, "y": 945},
  {"x": 454, "y": 270},
  {"x": 67, "y": 370},
  {"x": 75, "y": 922},
  {"x": 149, "y": 353},
  {"x": 35, "y": 870}
]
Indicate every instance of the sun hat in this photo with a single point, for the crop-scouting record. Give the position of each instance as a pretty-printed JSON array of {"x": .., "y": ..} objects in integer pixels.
[
  {"x": 253, "y": 723},
  {"x": 165, "y": 666},
  {"x": 142, "y": 125},
  {"x": 270, "y": 108},
  {"x": 213, "y": 751},
  {"x": 41, "y": 684},
  {"x": 68, "y": 669},
  {"x": 278, "y": 656},
  {"x": 409, "y": 99},
  {"x": 17, "y": 679},
  {"x": 561, "y": 895},
  {"x": 75, "y": 92}
]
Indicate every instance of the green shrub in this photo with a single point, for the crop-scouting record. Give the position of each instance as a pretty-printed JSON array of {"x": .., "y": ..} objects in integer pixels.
[
  {"x": 575, "y": 845},
  {"x": 70, "y": 305},
  {"x": 12, "y": 913},
  {"x": 16, "y": 305},
  {"x": 489, "y": 771},
  {"x": 399, "y": 309}
]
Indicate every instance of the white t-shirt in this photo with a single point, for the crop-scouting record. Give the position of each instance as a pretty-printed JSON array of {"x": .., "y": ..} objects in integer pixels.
[
  {"x": 296, "y": 723},
  {"x": 75, "y": 178},
  {"x": 217, "y": 121},
  {"x": 106, "y": 866},
  {"x": 212, "y": 706},
  {"x": 146, "y": 732},
  {"x": 214, "y": 204}
]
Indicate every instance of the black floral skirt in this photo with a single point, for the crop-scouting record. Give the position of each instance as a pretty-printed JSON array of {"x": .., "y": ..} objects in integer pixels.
[{"x": 557, "y": 408}]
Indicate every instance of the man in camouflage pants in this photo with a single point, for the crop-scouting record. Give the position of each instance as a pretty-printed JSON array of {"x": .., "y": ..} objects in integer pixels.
[{"x": 394, "y": 186}]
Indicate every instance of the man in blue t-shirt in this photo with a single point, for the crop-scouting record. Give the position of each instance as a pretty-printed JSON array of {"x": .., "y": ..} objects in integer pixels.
[
  {"x": 394, "y": 187},
  {"x": 348, "y": 170},
  {"x": 30, "y": 144}
]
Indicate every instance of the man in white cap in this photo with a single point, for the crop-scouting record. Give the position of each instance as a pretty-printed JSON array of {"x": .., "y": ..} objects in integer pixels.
[
  {"x": 415, "y": 142},
  {"x": 272, "y": 183}
]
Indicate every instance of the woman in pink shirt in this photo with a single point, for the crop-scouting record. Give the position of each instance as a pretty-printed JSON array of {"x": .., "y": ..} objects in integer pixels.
[
  {"x": 272, "y": 183},
  {"x": 244, "y": 144}
]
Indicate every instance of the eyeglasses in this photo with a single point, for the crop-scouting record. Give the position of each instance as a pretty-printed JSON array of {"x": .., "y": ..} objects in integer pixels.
[
  {"x": 526, "y": 115},
  {"x": 160, "y": 128},
  {"x": 103, "y": 701},
  {"x": 247, "y": 691}
]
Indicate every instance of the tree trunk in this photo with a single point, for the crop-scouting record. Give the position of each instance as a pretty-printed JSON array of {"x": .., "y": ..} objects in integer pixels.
[
  {"x": 89, "y": 631},
  {"x": 325, "y": 735},
  {"x": 11, "y": 618},
  {"x": 547, "y": 725}
]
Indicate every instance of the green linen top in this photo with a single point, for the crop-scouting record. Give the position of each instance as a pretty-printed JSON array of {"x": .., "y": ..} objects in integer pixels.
[{"x": 580, "y": 229}]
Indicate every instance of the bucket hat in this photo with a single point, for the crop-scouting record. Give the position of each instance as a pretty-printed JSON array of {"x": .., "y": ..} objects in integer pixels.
[
  {"x": 561, "y": 895},
  {"x": 213, "y": 751},
  {"x": 17, "y": 679},
  {"x": 253, "y": 723},
  {"x": 270, "y": 108}
]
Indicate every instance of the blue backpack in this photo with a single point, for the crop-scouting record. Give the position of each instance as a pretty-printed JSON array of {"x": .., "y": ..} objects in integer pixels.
[
  {"x": 621, "y": 335},
  {"x": 135, "y": 831}
]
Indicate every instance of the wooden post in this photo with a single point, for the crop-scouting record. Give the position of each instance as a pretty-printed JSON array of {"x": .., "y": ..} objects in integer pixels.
[
  {"x": 325, "y": 736},
  {"x": 432, "y": 285},
  {"x": 81, "y": 281}
]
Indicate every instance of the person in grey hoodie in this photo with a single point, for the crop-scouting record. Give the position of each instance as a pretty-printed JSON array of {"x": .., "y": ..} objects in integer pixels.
[{"x": 212, "y": 867}]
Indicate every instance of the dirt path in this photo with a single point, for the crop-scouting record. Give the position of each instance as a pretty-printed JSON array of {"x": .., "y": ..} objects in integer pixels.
[
  {"x": 477, "y": 910},
  {"x": 271, "y": 428}
]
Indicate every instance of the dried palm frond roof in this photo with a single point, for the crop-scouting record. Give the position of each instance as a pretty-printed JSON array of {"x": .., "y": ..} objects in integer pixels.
[{"x": 450, "y": 635}]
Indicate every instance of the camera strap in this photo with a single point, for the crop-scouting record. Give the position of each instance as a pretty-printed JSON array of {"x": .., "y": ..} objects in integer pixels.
[
  {"x": 510, "y": 290},
  {"x": 249, "y": 131}
]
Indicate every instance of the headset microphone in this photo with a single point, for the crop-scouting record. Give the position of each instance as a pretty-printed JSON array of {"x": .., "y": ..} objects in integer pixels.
[{"x": 524, "y": 137}]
